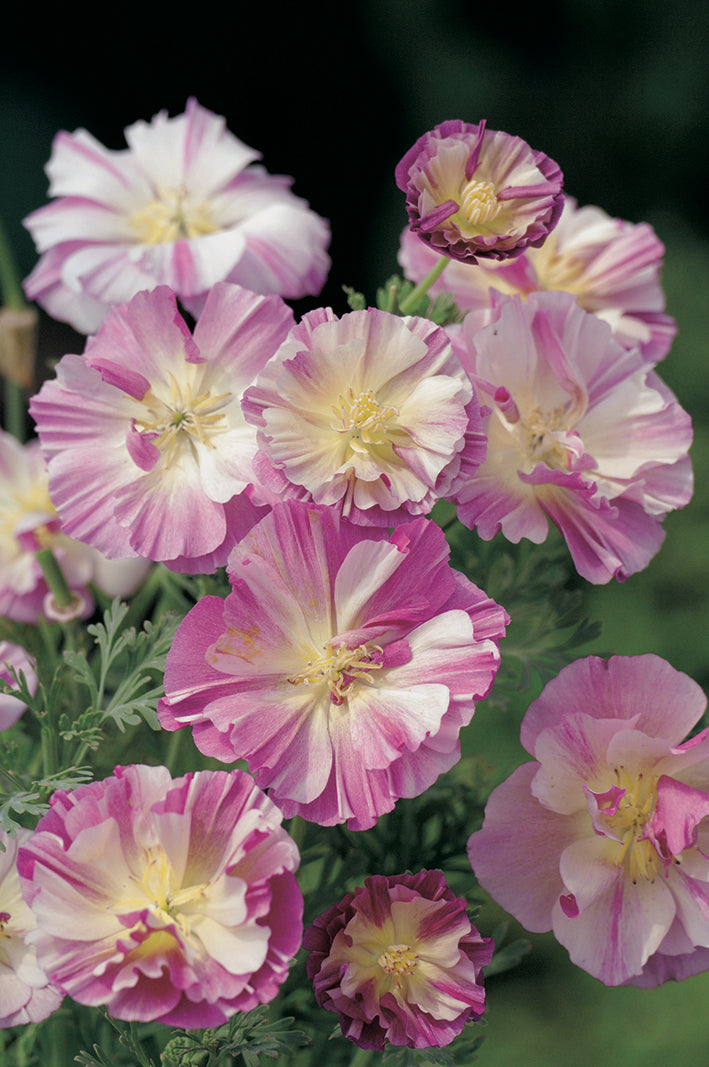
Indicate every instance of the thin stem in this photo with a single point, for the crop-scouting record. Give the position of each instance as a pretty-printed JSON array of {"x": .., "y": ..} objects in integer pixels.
[
  {"x": 424, "y": 285},
  {"x": 12, "y": 295}
]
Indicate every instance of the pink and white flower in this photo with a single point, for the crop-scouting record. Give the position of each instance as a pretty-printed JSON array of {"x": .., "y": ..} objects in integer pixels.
[
  {"x": 612, "y": 267},
  {"x": 580, "y": 431},
  {"x": 148, "y": 452},
  {"x": 398, "y": 960},
  {"x": 168, "y": 900},
  {"x": 604, "y": 838},
  {"x": 371, "y": 412},
  {"x": 28, "y": 522},
  {"x": 26, "y": 994},
  {"x": 341, "y": 666},
  {"x": 185, "y": 205},
  {"x": 474, "y": 193},
  {"x": 12, "y": 656}
]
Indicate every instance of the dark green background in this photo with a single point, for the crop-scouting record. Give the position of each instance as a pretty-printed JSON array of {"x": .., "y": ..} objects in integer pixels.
[{"x": 616, "y": 91}]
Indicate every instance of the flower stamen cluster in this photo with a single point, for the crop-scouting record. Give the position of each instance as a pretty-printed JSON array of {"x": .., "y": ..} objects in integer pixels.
[
  {"x": 398, "y": 960},
  {"x": 172, "y": 216},
  {"x": 629, "y": 806},
  {"x": 363, "y": 418},
  {"x": 183, "y": 418},
  {"x": 341, "y": 668}
]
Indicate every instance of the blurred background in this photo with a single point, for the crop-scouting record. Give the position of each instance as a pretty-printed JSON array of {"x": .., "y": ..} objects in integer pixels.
[{"x": 617, "y": 92}]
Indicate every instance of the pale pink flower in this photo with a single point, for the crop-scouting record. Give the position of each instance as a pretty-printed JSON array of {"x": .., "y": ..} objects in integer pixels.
[
  {"x": 148, "y": 451},
  {"x": 399, "y": 961},
  {"x": 185, "y": 205},
  {"x": 474, "y": 193},
  {"x": 341, "y": 666},
  {"x": 12, "y": 656},
  {"x": 604, "y": 838},
  {"x": 371, "y": 412},
  {"x": 28, "y": 522},
  {"x": 580, "y": 431},
  {"x": 169, "y": 900},
  {"x": 612, "y": 267},
  {"x": 26, "y": 995}
]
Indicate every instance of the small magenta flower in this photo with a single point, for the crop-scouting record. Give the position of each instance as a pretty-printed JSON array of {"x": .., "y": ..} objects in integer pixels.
[
  {"x": 28, "y": 523},
  {"x": 342, "y": 665},
  {"x": 26, "y": 994},
  {"x": 185, "y": 205},
  {"x": 370, "y": 412},
  {"x": 612, "y": 267},
  {"x": 604, "y": 838},
  {"x": 168, "y": 900},
  {"x": 147, "y": 448},
  {"x": 580, "y": 431},
  {"x": 474, "y": 193},
  {"x": 398, "y": 960}
]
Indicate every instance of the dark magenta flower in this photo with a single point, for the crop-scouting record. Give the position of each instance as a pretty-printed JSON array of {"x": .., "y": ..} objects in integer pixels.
[{"x": 399, "y": 961}]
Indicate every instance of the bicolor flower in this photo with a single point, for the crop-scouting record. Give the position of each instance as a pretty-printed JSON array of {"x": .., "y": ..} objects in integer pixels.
[
  {"x": 168, "y": 900},
  {"x": 580, "y": 431},
  {"x": 185, "y": 205},
  {"x": 26, "y": 994},
  {"x": 399, "y": 961},
  {"x": 147, "y": 448},
  {"x": 604, "y": 838},
  {"x": 612, "y": 267},
  {"x": 12, "y": 656},
  {"x": 341, "y": 666},
  {"x": 28, "y": 522},
  {"x": 474, "y": 193},
  {"x": 372, "y": 413}
]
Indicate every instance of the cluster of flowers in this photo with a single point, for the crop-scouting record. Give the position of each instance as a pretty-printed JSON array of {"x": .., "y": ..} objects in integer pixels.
[{"x": 348, "y": 656}]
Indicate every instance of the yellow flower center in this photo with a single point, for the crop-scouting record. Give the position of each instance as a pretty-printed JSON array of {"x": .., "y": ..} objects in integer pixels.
[
  {"x": 634, "y": 810},
  {"x": 478, "y": 201},
  {"x": 398, "y": 960},
  {"x": 156, "y": 890},
  {"x": 341, "y": 668},
  {"x": 558, "y": 270},
  {"x": 183, "y": 417},
  {"x": 539, "y": 441},
  {"x": 366, "y": 421},
  {"x": 171, "y": 216}
]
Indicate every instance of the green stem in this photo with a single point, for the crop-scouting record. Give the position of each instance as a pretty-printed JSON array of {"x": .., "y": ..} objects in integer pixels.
[
  {"x": 12, "y": 294},
  {"x": 424, "y": 286},
  {"x": 54, "y": 576}
]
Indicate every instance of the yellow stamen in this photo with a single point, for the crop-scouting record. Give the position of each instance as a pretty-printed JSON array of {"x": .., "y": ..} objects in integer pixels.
[
  {"x": 628, "y": 823},
  {"x": 363, "y": 418},
  {"x": 478, "y": 201},
  {"x": 340, "y": 668},
  {"x": 171, "y": 216},
  {"x": 183, "y": 417},
  {"x": 398, "y": 960}
]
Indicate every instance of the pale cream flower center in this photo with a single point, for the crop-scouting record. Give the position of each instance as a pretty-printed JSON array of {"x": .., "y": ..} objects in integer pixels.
[
  {"x": 478, "y": 201},
  {"x": 341, "y": 668},
  {"x": 158, "y": 891},
  {"x": 398, "y": 960},
  {"x": 171, "y": 216},
  {"x": 559, "y": 270},
  {"x": 634, "y": 810},
  {"x": 186, "y": 416},
  {"x": 541, "y": 444},
  {"x": 363, "y": 418}
]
